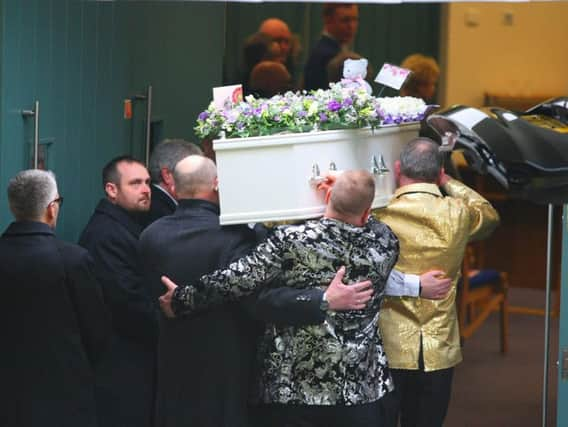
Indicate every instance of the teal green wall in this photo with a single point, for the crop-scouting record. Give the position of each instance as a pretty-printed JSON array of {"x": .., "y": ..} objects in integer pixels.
[
  {"x": 178, "y": 49},
  {"x": 67, "y": 54},
  {"x": 81, "y": 60}
]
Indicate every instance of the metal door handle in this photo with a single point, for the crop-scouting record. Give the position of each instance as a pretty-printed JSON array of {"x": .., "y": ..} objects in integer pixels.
[
  {"x": 148, "y": 98},
  {"x": 35, "y": 114},
  {"x": 148, "y": 123}
]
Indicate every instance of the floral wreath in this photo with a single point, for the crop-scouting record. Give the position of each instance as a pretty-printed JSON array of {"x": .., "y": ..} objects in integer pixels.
[{"x": 338, "y": 107}]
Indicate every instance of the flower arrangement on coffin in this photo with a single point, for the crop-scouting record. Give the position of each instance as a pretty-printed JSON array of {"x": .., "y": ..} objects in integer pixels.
[{"x": 339, "y": 107}]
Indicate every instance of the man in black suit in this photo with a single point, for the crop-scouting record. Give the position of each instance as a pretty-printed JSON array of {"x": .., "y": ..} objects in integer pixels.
[
  {"x": 340, "y": 28},
  {"x": 54, "y": 323},
  {"x": 125, "y": 380},
  {"x": 162, "y": 163},
  {"x": 204, "y": 361}
]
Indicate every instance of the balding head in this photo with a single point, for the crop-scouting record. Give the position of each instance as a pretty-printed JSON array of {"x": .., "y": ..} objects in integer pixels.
[
  {"x": 420, "y": 161},
  {"x": 352, "y": 196},
  {"x": 280, "y": 33},
  {"x": 195, "y": 177}
]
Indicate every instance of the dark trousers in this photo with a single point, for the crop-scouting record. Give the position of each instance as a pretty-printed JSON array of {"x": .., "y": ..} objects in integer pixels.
[
  {"x": 420, "y": 399},
  {"x": 366, "y": 415}
]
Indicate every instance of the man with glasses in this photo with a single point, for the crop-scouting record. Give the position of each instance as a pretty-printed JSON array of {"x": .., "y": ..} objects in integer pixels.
[
  {"x": 280, "y": 33},
  {"x": 55, "y": 326}
]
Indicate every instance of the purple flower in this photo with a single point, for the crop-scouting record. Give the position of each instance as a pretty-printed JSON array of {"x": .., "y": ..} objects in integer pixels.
[
  {"x": 323, "y": 117},
  {"x": 333, "y": 105},
  {"x": 302, "y": 113},
  {"x": 232, "y": 116},
  {"x": 203, "y": 115},
  {"x": 347, "y": 102}
]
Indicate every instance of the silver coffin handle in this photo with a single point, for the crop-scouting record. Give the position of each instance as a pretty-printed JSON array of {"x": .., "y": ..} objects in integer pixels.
[{"x": 35, "y": 114}]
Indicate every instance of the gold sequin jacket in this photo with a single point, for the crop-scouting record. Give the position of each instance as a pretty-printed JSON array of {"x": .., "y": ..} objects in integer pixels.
[{"x": 433, "y": 231}]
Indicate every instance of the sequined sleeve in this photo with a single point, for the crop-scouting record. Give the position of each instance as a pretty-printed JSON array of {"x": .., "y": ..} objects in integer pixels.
[
  {"x": 239, "y": 279},
  {"x": 483, "y": 217}
]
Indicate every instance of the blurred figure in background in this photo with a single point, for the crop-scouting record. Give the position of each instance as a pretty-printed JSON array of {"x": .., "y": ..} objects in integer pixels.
[
  {"x": 257, "y": 48},
  {"x": 269, "y": 78},
  {"x": 424, "y": 78},
  {"x": 341, "y": 21},
  {"x": 280, "y": 34},
  {"x": 288, "y": 43}
]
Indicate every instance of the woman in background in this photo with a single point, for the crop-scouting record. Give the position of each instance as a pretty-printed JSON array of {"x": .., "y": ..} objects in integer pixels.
[{"x": 424, "y": 78}]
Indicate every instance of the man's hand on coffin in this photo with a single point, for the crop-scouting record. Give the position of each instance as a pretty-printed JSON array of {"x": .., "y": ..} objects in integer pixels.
[
  {"x": 343, "y": 297},
  {"x": 166, "y": 299},
  {"x": 327, "y": 184},
  {"x": 434, "y": 285}
]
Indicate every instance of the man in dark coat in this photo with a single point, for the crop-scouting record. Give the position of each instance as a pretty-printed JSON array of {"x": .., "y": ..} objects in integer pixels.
[
  {"x": 125, "y": 380},
  {"x": 162, "y": 163},
  {"x": 55, "y": 325},
  {"x": 340, "y": 27},
  {"x": 204, "y": 361}
]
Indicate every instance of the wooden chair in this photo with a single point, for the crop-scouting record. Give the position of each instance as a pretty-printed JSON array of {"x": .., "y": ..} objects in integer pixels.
[{"x": 482, "y": 292}]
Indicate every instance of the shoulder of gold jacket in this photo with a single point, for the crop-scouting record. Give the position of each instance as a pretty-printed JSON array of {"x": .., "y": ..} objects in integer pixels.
[{"x": 484, "y": 217}]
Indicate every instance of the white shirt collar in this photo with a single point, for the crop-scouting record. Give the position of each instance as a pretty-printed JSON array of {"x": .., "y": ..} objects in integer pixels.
[{"x": 159, "y": 187}]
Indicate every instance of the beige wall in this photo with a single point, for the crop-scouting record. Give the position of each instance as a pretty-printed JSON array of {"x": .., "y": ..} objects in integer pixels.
[{"x": 526, "y": 58}]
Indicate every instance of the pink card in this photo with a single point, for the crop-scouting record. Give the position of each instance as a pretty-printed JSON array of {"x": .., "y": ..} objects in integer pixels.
[
  {"x": 392, "y": 76},
  {"x": 227, "y": 94}
]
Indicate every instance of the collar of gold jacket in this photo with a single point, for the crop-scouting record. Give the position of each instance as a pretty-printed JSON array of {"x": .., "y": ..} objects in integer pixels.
[{"x": 421, "y": 187}]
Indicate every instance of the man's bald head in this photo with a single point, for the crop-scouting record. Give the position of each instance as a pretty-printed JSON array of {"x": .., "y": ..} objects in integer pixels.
[
  {"x": 195, "y": 177},
  {"x": 353, "y": 193},
  {"x": 280, "y": 33}
]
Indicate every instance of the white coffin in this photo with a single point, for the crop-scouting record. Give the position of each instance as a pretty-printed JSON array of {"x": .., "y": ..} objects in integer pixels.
[{"x": 269, "y": 178}]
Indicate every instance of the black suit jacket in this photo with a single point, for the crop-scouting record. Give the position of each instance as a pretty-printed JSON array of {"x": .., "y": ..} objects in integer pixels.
[
  {"x": 315, "y": 70},
  {"x": 205, "y": 361},
  {"x": 54, "y": 329},
  {"x": 161, "y": 205},
  {"x": 125, "y": 379}
]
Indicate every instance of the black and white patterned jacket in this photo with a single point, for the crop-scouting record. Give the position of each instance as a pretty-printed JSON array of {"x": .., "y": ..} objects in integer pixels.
[{"x": 339, "y": 362}]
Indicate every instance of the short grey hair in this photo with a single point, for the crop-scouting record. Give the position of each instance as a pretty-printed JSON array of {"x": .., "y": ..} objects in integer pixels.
[
  {"x": 167, "y": 154},
  {"x": 193, "y": 175},
  {"x": 421, "y": 160},
  {"x": 30, "y": 192}
]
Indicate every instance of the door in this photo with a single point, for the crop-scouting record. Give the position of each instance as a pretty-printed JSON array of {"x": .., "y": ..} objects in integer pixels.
[{"x": 70, "y": 56}]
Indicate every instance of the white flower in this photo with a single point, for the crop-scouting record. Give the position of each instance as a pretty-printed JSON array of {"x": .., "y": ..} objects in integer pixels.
[{"x": 397, "y": 106}]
